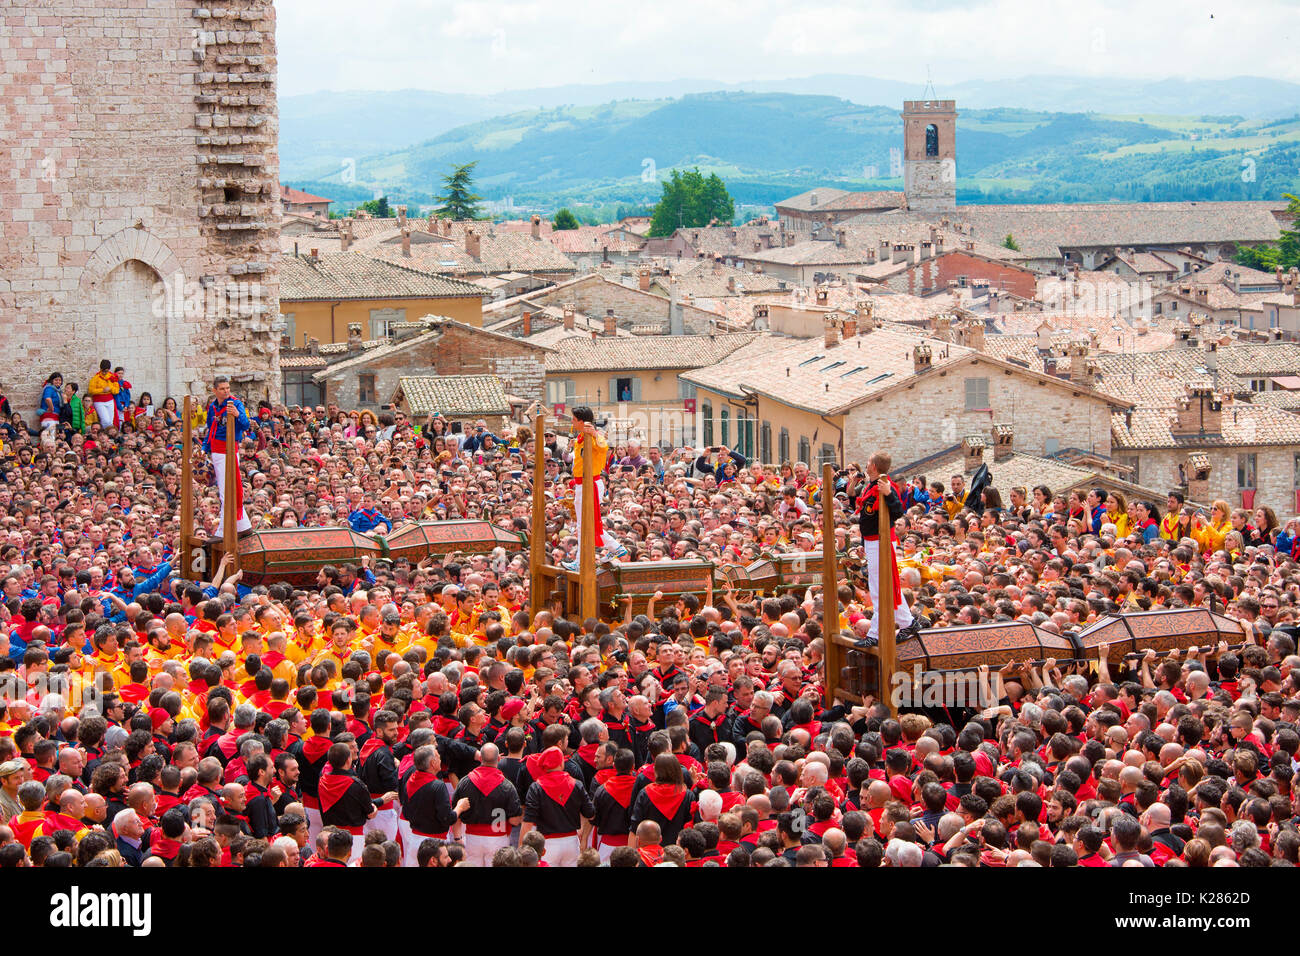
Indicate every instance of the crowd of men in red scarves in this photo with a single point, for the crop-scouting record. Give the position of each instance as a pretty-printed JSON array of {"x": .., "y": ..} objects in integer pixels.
[{"x": 383, "y": 720}]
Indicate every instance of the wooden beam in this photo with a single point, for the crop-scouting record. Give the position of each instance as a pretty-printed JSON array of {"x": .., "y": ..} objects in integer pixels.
[
  {"x": 537, "y": 533},
  {"x": 230, "y": 536},
  {"x": 186, "y": 547},
  {"x": 833, "y": 657},
  {"x": 587, "y": 543},
  {"x": 888, "y": 654}
]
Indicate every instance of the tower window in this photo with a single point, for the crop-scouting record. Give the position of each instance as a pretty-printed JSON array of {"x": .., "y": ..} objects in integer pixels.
[{"x": 932, "y": 140}]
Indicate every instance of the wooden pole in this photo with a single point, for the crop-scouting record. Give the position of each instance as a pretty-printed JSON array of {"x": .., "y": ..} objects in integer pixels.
[
  {"x": 587, "y": 543},
  {"x": 885, "y": 610},
  {"x": 230, "y": 540},
  {"x": 187, "y": 556},
  {"x": 832, "y": 656},
  {"x": 537, "y": 539}
]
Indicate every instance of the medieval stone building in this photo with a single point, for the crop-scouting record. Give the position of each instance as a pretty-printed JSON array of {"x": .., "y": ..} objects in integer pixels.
[{"x": 139, "y": 207}]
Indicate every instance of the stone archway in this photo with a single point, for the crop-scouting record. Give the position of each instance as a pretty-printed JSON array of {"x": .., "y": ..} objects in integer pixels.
[{"x": 133, "y": 291}]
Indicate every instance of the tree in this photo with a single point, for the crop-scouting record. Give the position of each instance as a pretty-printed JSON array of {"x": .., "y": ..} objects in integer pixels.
[
  {"x": 689, "y": 200},
  {"x": 564, "y": 219},
  {"x": 459, "y": 200},
  {"x": 1282, "y": 255},
  {"x": 1010, "y": 243},
  {"x": 377, "y": 207}
]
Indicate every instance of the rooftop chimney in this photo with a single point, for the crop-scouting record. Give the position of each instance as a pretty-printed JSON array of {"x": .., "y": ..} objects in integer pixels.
[
  {"x": 1197, "y": 472},
  {"x": 731, "y": 284},
  {"x": 401, "y": 217},
  {"x": 1199, "y": 412},
  {"x": 431, "y": 224},
  {"x": 927, "y": 249},
  {"x": 922, "y": 357},
  {"x": 643, "y": 280},
  {"x": 840, "y": 237},
  {"x": 406, "y": 241},
  {"x": 1002, "y": 442},
  {"x": 831, "y": 324},
  {"x": 473, "y": 243},
  {"x": 536, "y": 222},
  {"x": 903, "y": 252},
  {"x": 850, "y": 326},
  {"x": 528, "y": 323},
  {"x": 972, "y": 334},
  {"x": 568, "y": 320},
  {"x": 354, "y": 336},
  {"x": 345, "y": 234},
  {"x": 611, "y": 323},
  {"x": 972, "y": 452},
  {"x": 823, "y": 296},
  {"x": 313, "y": 346}
]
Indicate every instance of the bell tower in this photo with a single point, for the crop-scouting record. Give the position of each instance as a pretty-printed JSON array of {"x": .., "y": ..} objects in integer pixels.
[{"x": 930, "y": 154}]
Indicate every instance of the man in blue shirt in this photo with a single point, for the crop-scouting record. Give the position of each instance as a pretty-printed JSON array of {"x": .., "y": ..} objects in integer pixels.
[
  {"x": 225, "y": 452},
  {"x": 367, "y": 518}
]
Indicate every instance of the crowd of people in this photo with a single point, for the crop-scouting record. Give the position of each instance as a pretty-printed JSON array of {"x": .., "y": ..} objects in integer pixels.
[{"x": 433, "y": 714}]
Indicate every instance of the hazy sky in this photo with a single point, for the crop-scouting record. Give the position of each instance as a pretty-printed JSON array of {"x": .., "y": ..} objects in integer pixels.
[{"x": 493, "y": 45}]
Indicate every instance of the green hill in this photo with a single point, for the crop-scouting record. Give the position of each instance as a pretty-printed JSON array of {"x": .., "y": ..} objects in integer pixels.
[{"x": 770, "y": 145}]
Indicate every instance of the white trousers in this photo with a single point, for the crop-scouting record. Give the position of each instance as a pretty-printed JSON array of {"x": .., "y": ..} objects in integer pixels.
[
  {"x": 384, "y": 821},
  {"x": 105, "y": 412},
  {"x": 606, "y": 850},
  {"x": 604, "y": 539},
  {"x": 561, "y": 851},
  {"x": 314, "y": 824},
  {"x": 410, "y": 843},
  {"x": 902, "y": 613},
  {"x": 241, "y": 520},
  {"x": 479, "y": 850}
]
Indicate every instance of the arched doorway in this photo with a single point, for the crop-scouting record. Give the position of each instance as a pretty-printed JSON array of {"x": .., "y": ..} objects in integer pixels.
[{"x": 126, "y": 319}]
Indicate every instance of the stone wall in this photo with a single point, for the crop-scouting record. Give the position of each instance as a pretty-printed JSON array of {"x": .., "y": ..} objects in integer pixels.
[
  {"x": 930, "y": 415},
  {"x": 139, "y": 210},
  {"x": 459, "y": 351},
  {"x": 1275, "y": 474}
]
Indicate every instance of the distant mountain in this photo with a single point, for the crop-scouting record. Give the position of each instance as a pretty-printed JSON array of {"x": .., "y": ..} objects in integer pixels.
[
  {"x": 770, "y": 145},
  {"x": 325, "y": 128}
]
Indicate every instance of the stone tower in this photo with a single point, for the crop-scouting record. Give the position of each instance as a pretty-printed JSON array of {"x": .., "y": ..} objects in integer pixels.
[
  {"x": 139, "y": 211},
  {"x": 930, "y": 154}
]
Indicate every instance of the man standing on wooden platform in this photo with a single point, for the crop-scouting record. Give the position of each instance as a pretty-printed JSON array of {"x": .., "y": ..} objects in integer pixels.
[
  {"x": 584, "y": 424},
  {"x": 879, "y": 482},
  {"x": 225, "y": 451}
]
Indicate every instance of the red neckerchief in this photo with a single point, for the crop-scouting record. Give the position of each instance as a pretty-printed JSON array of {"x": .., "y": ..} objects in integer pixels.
[
  {"x": 587, "y": 754},
  {"x": 651, "y": 855},
  {"x": 332, "y": 786},
  {"x": 315, "y": 748},
  {"x": 486, "y": 779},
  {"x": 418, "y": 779},
  {"x": 620, "y": 787},
  {"x": 666, "y": 797},
  {"x": 556, "y": 784}
]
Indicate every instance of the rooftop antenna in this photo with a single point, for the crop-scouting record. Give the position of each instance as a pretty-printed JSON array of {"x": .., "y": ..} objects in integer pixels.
[{"x": 929, "y": 93}]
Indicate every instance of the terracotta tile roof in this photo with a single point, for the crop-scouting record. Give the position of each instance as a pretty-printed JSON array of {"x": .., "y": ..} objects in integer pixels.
[
  {"x": 579, "y": 354},
  {"x": 499, "y": 252},
  {"x": 586, "y": 240},
  {"x": 813, "y": 199},
  {"x": 731, "y": 241},
  {"x": 1041, "y": 230},
  {"x": 1238, "y": 363},
  {"x": 290, "y": 195},
  {"x": 457, "y": 395},
  {"x": 355, "y": 275},
  {"x": 302, "y": 361},
  {"x": 1145, "y": 263},
  {"x": 702, "y": 280},
  {"x": 1225, "y": 272}
]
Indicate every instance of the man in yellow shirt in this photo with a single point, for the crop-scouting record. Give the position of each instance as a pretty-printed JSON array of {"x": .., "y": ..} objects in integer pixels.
[
  {"x": 306, "y": 642},
  {"x": 102, "y": 391},
  {"x": 955, "y": 500},
  {"x": 584, "y": 423}
]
